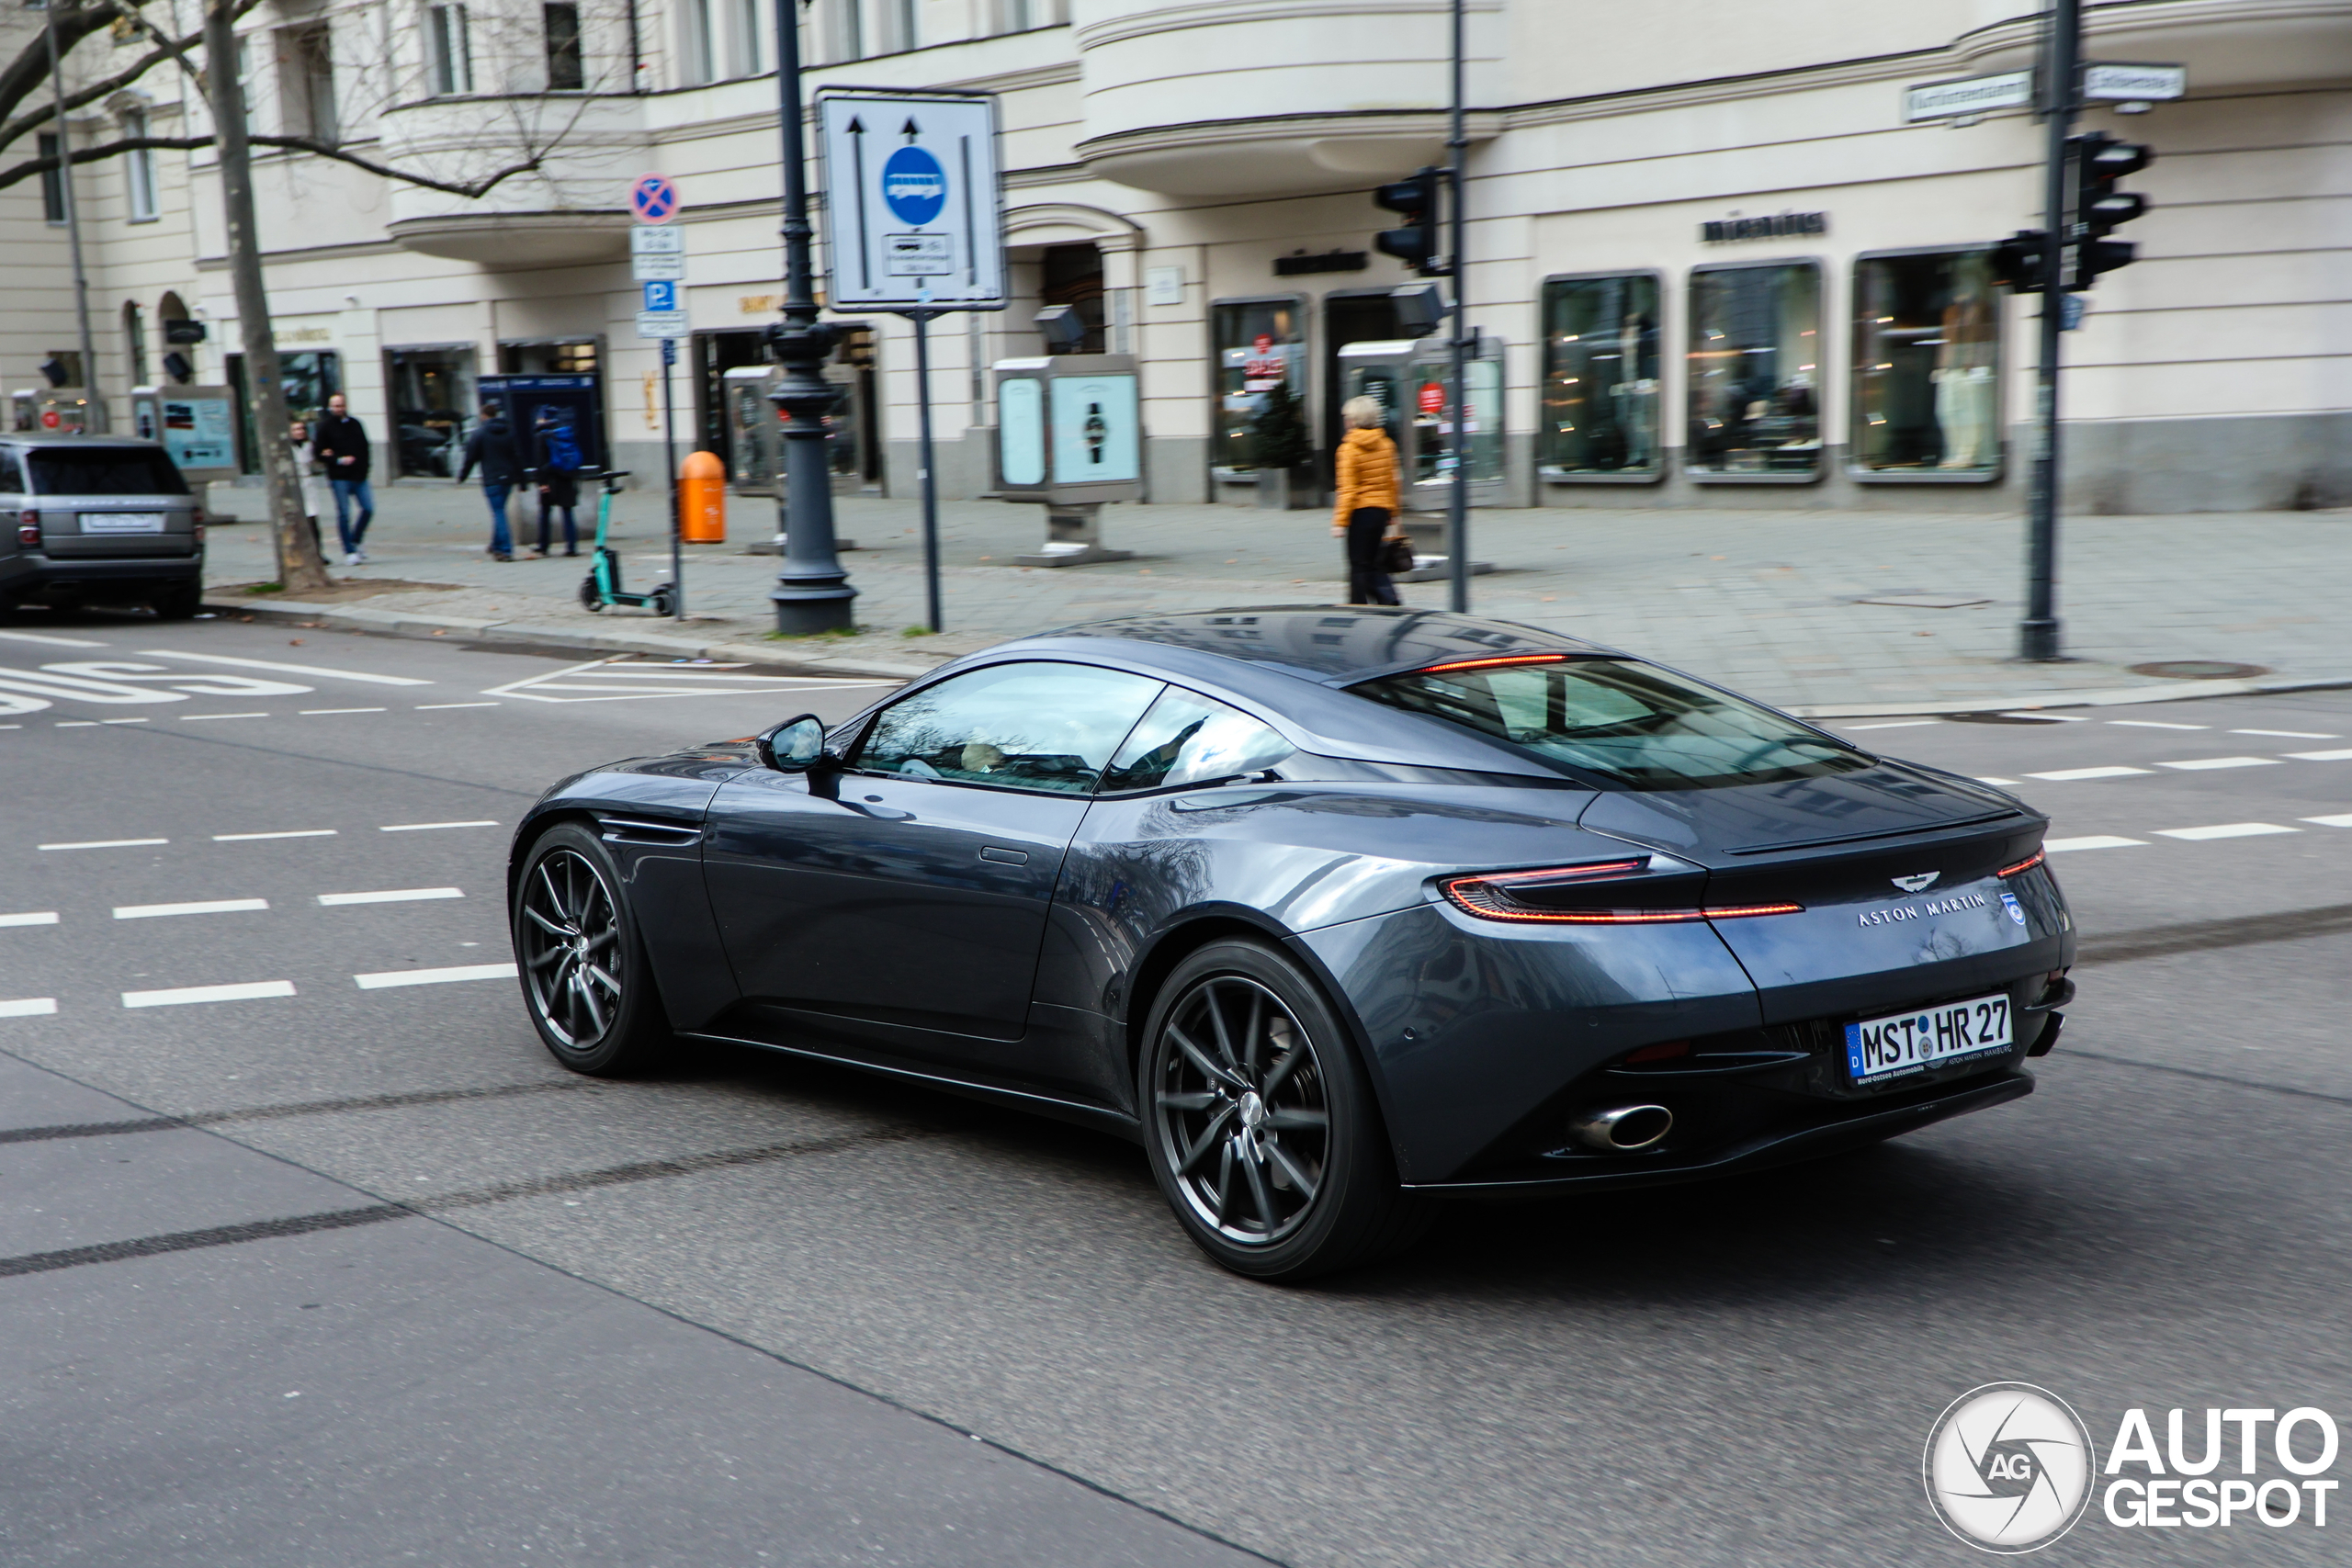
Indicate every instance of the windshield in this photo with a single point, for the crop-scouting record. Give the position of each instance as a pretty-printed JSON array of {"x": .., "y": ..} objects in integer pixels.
[
  {"x": 103, "y": 471},
  {"x": 1633, "y": 724}
]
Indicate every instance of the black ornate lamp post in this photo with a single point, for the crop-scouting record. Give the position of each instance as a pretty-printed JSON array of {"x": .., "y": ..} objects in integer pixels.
[{"x": 812, "y": 593}]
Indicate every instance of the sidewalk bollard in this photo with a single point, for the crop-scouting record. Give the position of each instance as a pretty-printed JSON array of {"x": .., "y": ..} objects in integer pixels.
[{"x": 701, "y": 498}]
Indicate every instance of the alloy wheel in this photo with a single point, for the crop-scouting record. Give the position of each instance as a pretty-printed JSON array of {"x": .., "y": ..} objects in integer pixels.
[
  {"x": 570, "y": 939},
  {"x": 1241, "y": 1109}
]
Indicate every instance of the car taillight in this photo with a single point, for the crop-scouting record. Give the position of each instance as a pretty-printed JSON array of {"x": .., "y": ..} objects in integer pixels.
[
  {"x": 28, "y": 527},
  {"x": 2022, "y": 866},
  {"x": 199, "y": 531},
  {"x": 1519, "y": 895}
]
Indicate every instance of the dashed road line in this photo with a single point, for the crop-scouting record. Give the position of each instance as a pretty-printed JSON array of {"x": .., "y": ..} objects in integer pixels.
[
  {"x": 54, "y": 641},
  {"x": 288, "y": 669},
  {"x": 2289, "y": 734},
  {"x": 430, "y": 707},
  {"x": 428, "y": 826},
  {"x": 210, "y": 907},
  {"x": 434, "y": 977},
  {"x": 29, "y": 1007},
  {"x": 2339, "y": 821},
  {"x": 313, "y": 713},
  {"x": 1893, "y": 724},
  {"x": 1999, "y": 783},
  {"x": 2051, "y": 718},
  {"x": 33, "y": 918},
  {"x": 2068, "y": 775},
  {"x": 2321, "y": 756},
  {"x": 2199, "y": 764},
  {"x": 252, "y": 990},
  {"x": 2154, "y": 724},
  {"x": 202, "y": 718},
  {"x": 285, "y": 833},
  {"x": 2226, "y": 831},
  {"x": 390, "y": 895},
  {"x": 2093, "y": 841},
  {"x": 107, "y": 844}
]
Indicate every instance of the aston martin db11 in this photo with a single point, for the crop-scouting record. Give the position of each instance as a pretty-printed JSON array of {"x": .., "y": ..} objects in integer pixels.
[{"x": 1336, "y": 911}]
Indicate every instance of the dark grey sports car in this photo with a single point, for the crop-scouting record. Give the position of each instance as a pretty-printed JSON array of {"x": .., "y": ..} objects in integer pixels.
[{"x": 1334, "y": 910}]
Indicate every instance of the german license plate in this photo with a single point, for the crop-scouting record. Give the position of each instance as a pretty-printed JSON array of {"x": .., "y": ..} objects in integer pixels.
[
  {"x": 1882, "y": 1048},
  {"x": 122, "y": 521}
]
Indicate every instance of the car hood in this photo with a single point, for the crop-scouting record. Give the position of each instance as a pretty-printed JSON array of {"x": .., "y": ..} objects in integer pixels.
[{"x": 1733, "y": 826}]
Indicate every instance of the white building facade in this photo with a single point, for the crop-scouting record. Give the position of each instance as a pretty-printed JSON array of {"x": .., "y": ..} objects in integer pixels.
[{"x": 1710, "y": 261}]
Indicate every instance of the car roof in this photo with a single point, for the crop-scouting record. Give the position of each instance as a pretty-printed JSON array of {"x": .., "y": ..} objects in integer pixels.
[
  {"x": 67, "y": 438},
  {"x": 1336, "y": 645}
]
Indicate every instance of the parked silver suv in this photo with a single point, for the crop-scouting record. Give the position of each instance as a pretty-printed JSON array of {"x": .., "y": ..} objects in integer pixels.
[{"x": 103, "y": 518}]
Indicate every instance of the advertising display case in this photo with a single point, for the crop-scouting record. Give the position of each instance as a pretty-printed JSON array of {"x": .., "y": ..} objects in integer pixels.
[{"x": 1069, "y": 436}]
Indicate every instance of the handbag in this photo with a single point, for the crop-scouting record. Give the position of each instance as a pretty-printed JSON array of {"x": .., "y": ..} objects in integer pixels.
[{"x": 1395, "y": 556}]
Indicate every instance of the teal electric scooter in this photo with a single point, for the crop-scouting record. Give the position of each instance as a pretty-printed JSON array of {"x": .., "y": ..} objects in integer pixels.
[{"x": 603, "y": 584}]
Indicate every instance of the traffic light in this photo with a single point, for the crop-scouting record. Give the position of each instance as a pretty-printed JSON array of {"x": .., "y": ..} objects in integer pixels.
[
  {"x": 2017, "y": 261},
  {"x": 2101, "y": 161},
  {"x": 1416, "y": 242}
]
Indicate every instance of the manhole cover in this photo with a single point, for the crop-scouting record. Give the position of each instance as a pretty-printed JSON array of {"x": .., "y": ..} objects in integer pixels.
[
  {"x": 2201, "y": 669},
  {"x": 1999, "y": 718},
  {"x": 1926, "y": 600}
]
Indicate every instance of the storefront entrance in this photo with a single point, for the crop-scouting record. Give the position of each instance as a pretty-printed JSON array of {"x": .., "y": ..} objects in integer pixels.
[{"x": 1348, "y": 317}]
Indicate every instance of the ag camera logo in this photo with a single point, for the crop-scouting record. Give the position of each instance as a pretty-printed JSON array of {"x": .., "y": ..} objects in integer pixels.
[{"x": 2008, "y": 1467}]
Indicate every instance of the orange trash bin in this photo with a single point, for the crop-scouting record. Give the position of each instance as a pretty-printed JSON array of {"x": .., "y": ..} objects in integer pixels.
[{"x": 701, "y": 498}]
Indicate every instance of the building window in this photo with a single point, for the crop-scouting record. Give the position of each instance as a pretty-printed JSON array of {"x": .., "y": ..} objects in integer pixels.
[
  {"x": 566, "y": 70},
  {"x": 449, "y": 62},
  {"x": 745, "y": 36},
  {"x": 845, "y": 22},
  {"x": 1600, "y": 377},
  {"x": 306, "y": 82},
  {"x": 1259, "y": 344},
  {"x": 899, "y": 26},
  {"x": 1754, "y": 371},
  {"x": 139, "y": 168},
  {"x": 1927, "y": 366},
  {"x": 52, "y": 180}
]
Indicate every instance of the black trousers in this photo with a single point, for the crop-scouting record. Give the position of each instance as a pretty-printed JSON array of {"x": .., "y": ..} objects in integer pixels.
[{"x": 1367, "y": 584}]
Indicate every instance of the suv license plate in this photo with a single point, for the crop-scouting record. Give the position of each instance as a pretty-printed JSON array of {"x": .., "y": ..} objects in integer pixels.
[
  {"x": 122, "y": 521},
  {"x": 1882, "y": 1048}
]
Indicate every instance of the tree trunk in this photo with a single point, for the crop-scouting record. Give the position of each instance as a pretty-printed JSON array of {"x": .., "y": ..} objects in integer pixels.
[{"x": 299, "y": 565}]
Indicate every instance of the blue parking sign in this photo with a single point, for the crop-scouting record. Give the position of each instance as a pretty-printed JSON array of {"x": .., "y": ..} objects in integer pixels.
[{"x": 661, "y": 296}]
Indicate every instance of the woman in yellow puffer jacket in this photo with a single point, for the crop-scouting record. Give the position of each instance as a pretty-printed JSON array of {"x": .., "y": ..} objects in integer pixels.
[{"x": 1368, "y": 500}]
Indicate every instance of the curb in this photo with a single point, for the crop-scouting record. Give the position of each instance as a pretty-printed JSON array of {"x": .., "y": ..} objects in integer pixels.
[{"x": 394, "y": 623}]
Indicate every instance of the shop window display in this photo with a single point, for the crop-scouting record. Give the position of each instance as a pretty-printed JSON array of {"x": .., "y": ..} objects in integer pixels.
[
  {"x": 1927, "y": 366},
  {"x": 1755, "y": 371},
  {"x": 1261, "y": 344},
  {"x": 1600, "y": 377}
]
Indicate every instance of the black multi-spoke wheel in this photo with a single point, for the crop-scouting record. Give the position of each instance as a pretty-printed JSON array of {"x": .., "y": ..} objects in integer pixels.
[
  {"x": 1262, "y": 1131},
  {"x": 584, "y": 978}
]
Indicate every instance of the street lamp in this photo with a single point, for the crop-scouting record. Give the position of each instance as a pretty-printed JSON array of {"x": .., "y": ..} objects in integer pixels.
[
  {"x": 97, "y": 408},
  {"x": 812, "y": 593}
]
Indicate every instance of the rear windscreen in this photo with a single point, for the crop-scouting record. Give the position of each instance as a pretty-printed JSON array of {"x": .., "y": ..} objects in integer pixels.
[
  {"x": 1635, "y": 725},
  {"x": 103, "y": 471}
]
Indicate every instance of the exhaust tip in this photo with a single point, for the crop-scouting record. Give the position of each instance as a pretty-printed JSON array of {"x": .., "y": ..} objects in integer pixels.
[{"x": 1622, "y": 1129}]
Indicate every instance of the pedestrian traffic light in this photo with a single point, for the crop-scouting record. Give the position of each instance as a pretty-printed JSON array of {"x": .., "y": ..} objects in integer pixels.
[
  {"x": 2101, "y": 161},
  {"x": 2017, "y": 261},
  {"x": 1413, "y": 201}
]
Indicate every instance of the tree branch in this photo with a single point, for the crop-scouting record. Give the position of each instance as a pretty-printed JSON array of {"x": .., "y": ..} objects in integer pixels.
[
  {"x": 21, "y": 76},
  {"x": 14, "y": 129},
  {"x": 470, "y": 189}
]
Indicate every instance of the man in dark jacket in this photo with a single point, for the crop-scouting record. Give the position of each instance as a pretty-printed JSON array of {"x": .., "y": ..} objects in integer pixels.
[
  {"x": 493, "y": 446},
  {"x": 341, "y": 447}
]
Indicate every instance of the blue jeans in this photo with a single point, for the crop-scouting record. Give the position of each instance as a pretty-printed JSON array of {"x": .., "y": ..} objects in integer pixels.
[
  {"x": 502, "y": 543},
  {"x": 345, "y": 492}
]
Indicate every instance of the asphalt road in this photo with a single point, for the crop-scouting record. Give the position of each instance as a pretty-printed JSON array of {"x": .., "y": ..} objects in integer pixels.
[{"x": 336, "y": 1266}]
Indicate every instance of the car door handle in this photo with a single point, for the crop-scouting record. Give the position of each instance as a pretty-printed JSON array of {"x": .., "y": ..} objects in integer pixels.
[{"x": 1005, "y": 857}]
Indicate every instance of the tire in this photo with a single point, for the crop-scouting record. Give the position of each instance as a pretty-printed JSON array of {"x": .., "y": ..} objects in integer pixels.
[
  {"x": 1260, "y": 1123},
  {"x": 585, "y": 979},
  {"x": 589, "y": 598},
  {"x": 662, "y": 603},
  {"x": 178, "y": 603}
]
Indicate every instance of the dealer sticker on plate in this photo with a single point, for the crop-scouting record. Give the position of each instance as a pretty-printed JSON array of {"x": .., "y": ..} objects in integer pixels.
[{"x": 1887, "y": 1047}]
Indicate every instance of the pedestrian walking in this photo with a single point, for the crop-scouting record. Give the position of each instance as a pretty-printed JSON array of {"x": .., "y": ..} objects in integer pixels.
[
  {"x": 298, "y": 436},
  {"x": 1365, "y": 513},
  {"x": 341, "y": 446},
  {"x": 493, "y": 448},
  {"x": 558, "y": 474}
]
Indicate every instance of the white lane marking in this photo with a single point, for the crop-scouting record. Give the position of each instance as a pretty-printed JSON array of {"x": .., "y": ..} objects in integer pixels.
[
  {"x": 2095, "y": 842},
  {"x": 558, "y": 685},
  {"x": 107, "y": 844},
  {"x": 2155, "y": 724},
  {"x": 29, "y": 1007},
  {"x": 434, "y": 977},
  {"x": 75, "y": 724},
  {"x": 429, "y": 708},
  {"x": 216, "y": 907},
  {"x": 200, "y": 717},
  {"x": 2052, "y": 718},
  {"x": 2000, "y": 784},
  {"x": 308, "y": 713},
  {"x": 425, "y": 826},
  {"x": 288, "y": 834},
  {"x": 55, "y": 641},
  {"x": 390, "y": 895},
  {"x": 252, "y": 990},
  {"x": 2321, "y": 756},
  {"x": 288, "y": 669},
  {"x": 2289, "y": 734},
  {"x": 2338, "y": 821},
  {"x": 30, "y": 918},
  {"x": 2226, "y": 831},
  {"x": 2196, "y": 765},
  {"x": 2066, "y": 775},
  {"x": 123, "y": 721},
  {"x": 1893, "y": 724}
]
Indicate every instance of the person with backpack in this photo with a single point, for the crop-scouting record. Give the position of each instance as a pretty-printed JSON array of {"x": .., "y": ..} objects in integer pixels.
[
  {"x": 493, "y": 446},
  {"x": 559, "y": 479}
]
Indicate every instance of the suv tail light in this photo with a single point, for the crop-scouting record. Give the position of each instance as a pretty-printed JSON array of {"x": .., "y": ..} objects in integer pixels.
[{"x": 29, "y": 526}]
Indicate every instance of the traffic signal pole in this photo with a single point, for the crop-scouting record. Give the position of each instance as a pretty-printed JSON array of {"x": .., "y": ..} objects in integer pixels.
[
  {"x": 2037, "y": 634},
  {"x": 1458, "y": 503}
]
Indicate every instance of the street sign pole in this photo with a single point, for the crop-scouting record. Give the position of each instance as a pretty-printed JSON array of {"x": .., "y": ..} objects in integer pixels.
[
  {"x": 677, "y": 515},
  {"x": 1458, "y": 501},
  {"x": 2037, "y": 634},
  {"x": 658, "y": 261},
  {"x": 922, "y": 319}
]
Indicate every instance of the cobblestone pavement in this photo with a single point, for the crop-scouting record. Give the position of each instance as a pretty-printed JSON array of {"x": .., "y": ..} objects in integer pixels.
[{"x": 1773, "y": 603}]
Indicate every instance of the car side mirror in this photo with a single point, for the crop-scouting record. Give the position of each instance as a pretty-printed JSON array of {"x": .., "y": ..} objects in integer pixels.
[{"x": 796, "y": 746}]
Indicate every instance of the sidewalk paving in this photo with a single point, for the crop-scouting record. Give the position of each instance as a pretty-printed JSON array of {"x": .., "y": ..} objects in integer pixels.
[{"x": 1769, "y": 602}]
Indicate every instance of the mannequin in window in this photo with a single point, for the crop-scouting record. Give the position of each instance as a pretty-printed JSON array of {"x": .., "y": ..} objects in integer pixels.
[
  {"x": 1636, "y": 392},
  {"x": 1966, "y": 392}
]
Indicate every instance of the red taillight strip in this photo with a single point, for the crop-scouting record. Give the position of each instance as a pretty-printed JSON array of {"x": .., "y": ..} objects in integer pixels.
[
  {"x": 2024, "y": 866},
  {"x": 1741, "y": 911},
  {"x": 1560, "y": 873},
  {"x": 1489, "y": 663}
]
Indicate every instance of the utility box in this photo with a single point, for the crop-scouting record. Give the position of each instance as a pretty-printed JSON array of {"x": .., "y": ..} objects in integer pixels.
[
  {"x": 755, "y": 429},
  {"x": 198, "y": 427},
  {"x": 1408, "y": 378},
  {"x": 54, "y": 410},
  {"x": 534, "y": 405},
  {"x": 1069, "y": 429}
]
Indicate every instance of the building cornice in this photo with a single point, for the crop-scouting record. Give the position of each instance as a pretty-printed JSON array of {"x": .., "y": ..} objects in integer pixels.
[{"x": 1229, "y": 13}]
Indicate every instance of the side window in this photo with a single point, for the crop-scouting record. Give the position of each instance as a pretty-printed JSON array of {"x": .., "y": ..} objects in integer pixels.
[
  {"x": 1041, "y": 726},
  {"x": 1190, "y": 739},
  {"x": 12, "y": 473}
]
